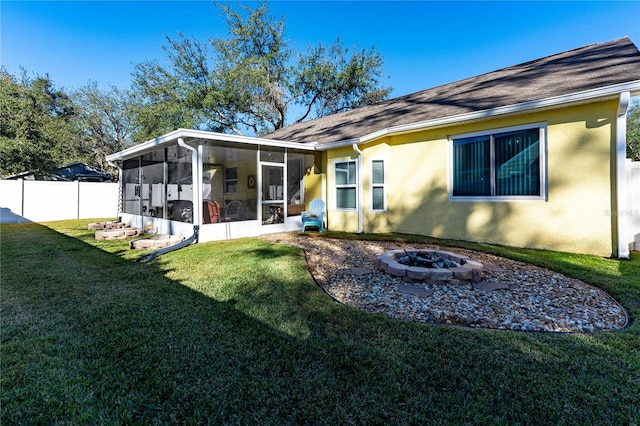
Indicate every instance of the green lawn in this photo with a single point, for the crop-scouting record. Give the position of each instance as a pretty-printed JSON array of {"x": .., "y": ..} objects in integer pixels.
[{"x": 237, "y": 332}]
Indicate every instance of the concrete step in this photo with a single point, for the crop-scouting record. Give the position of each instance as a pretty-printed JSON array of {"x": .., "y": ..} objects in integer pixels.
[
  {"x": 99, "y": 226},
  {"x": 156, "y": 241},
  {"x": 118, "y": 233}
]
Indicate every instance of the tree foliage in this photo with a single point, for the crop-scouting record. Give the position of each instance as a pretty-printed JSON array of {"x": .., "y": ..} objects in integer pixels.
[
  {"x": 37, "y": 130},
  {"x": 633, "y": 131},
  {"x": 42, "y": 127},
  {"x": 251, "y": 81},
  {"x": 104, "y": 121}
]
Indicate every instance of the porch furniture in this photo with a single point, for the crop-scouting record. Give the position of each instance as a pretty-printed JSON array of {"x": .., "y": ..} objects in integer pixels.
[
  {"x": 295, "y": 209},
  {"x": 210, "y": 211},
  {"x": 314, "y": 217},
  {"x": 232, "y": 211}
]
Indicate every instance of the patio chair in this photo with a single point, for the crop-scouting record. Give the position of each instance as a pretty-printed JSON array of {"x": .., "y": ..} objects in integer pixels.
[
  {"x": 232, "y": 212},
  {"x": 315, "y": 216}
]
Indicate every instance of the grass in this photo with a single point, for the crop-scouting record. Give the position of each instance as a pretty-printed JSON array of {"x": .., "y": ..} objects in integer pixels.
[{"x": 238, "y": 333}]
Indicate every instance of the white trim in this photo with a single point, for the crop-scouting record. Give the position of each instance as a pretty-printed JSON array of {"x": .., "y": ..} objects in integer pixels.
[
  {"x": 527, "y": 126},
  {"x": 171, "y": 137},
  {"x": 351, "y": 185},
  {"x": 382, "y": 185},
  {"x": 621, "y": 176},
  {"x": 579, "y": 97},
  {"x": 542, "y": 128},
  {"x": 359, "y": 190}
]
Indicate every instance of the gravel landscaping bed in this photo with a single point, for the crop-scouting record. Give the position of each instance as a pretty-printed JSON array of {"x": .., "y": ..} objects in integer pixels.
[{"x": 511, "y": 296}]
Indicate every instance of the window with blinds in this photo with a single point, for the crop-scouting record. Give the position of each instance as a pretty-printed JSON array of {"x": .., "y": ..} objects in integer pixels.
[{"x": 506, "y": 164}]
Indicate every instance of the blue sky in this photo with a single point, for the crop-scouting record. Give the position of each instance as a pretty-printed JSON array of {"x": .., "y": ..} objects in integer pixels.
[{"x": 424, "y": 43}]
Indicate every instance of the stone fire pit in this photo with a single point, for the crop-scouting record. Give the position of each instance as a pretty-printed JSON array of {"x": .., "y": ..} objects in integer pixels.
[{"x": 430, "y": 266}]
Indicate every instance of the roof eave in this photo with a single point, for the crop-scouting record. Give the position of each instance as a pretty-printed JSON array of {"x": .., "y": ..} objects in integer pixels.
[
  {"x": 171, "y": 137},
  {"x": 573, "y": 98}
]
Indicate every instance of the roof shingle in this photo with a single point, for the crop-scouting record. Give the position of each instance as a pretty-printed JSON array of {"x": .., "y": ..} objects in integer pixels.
[{"x": 587, "y": 68}]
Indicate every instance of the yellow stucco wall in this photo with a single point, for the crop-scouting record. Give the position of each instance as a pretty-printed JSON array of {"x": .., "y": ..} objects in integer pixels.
[
  {"x": 313, "y": 181},
  {"x": 574, "y": 217}
]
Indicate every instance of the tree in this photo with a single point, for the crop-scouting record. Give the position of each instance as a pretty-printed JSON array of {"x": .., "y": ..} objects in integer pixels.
[
  {"x": 104, "y": 121},
  {"x": 633, "y": 131},
  {"x": 251, "y": 80},
  {"x": 37, "y": 127}
]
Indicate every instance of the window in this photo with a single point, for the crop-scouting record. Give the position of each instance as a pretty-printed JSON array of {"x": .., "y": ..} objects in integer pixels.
[
  {"x": 231, "y": 180},
  {"x": 505, "y": 164},
  {"x": 377, "y": 185},
  {"x": 345, "y": 184}
]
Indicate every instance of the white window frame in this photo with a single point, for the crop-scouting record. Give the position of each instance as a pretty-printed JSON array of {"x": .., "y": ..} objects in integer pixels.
[
  {"x": 346, "y": 186},
  {"x": 542, "y": 127},
  {"x": 379, "y": 185},
  {"x": 227, "y": 180}
]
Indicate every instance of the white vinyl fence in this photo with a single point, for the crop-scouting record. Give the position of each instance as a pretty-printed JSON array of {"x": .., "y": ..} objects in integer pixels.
[{"x": 42, "y": 201}]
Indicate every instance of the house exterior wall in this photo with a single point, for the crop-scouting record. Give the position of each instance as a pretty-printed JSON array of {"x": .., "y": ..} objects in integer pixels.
[{"x": 574, "y": 216}]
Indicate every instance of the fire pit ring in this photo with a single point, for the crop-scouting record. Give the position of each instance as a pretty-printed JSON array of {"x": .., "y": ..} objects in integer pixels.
[{"x": 469, "y": 270}]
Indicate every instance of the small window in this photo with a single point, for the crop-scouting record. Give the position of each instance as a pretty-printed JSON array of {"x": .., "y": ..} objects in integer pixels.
[
  {"x": 345, "y": 175},
  {"x": 377, "y": 185},
  {"x": 231, "y": 180},
  {"x": 498, "y": 165}
]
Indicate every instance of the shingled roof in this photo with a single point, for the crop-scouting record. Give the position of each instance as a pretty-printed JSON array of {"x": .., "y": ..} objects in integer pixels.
[{"x": 588, "y": 68}]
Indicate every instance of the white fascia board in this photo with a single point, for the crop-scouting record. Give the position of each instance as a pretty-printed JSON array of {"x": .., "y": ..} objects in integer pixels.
[
  {"x": 579, "y": 97},
  {"x": 172, "y": 137},
  {"x": 145, "y": 146}
]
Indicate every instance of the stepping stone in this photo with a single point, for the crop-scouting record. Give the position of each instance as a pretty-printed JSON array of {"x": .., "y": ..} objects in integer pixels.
[
  {"x": 117, "y": 233},
  {"x": 359, "y": 271},
  {"x": 156, "y": 241},
  {"x": 99, "y": 226},
  {"x": 413, "y": 290},
  {"x": 491, "y": 286},
  {"x": 492, "y": 267}
]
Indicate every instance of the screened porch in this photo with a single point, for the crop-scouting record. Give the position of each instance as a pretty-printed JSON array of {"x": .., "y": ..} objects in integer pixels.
[{"x": 243, "y": 186}]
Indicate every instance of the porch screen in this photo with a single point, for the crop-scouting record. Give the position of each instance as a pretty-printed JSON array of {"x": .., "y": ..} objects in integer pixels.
[{"x": 502, "y": 164}]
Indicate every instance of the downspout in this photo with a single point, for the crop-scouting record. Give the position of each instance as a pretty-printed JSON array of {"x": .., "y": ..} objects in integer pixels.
[
  {"x": 120, "y": 190},
  {"x": 197, "y": 190},
  {"x": 621, "y": 176},
  {"x": 359, "y": 201}
]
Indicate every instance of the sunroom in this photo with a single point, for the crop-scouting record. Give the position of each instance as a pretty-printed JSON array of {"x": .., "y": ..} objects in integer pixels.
[{"x": 229, "y": 186}]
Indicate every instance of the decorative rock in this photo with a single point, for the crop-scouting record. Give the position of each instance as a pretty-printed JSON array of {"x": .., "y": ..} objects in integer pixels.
[{"x": 535, "y": 299}]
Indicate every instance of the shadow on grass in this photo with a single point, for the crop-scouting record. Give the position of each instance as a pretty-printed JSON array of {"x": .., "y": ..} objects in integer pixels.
[{"x": 89, "y": 337}]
